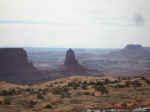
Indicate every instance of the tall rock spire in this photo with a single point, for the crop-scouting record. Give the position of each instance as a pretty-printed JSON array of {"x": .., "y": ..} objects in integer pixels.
[
  {"x": 70, "y": 58},
  {"x": 71, "y": 64}
]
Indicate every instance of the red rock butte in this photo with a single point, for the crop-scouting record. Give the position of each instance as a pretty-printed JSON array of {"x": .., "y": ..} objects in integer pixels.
[
  {"x": 15, "y": 66},
  {"x": 71, "y": 64}
]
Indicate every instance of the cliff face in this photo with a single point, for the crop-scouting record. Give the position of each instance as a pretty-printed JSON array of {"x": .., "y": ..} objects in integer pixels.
[
  {"x": 15, "y": 67},
  {"x": 12, "y": 60}
]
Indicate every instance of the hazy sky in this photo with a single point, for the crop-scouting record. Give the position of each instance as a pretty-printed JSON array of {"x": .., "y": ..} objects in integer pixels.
[{"x": 74, "y": 23}]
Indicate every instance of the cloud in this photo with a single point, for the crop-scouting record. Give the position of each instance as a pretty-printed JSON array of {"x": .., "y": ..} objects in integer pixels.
[{"x": 74, "y": 23}]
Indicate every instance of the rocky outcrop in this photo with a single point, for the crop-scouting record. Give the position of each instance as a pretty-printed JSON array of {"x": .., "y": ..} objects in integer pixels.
[
  {"x": 70, "y": 58},
  {"x": 71, "y": 65},
  {"x": 15, "y": 66}
]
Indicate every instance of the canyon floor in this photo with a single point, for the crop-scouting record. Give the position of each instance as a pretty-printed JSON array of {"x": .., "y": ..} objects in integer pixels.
[{"x": 76, "y": 94}]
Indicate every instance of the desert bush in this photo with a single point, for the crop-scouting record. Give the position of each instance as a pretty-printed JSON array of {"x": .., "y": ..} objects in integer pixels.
[
  {"x": 0, "y": 102},
  {"x": 64, "y": 92},
  {"x": 22, "y": 102},
  {"x": 99, "y": 83},
  {"x": 119, "y": 86},
  {"x": 102, "y": 89},
  {"x": 3, "y": 93},
  {"x": 146, "y": 80},
  {"x": 75, "y": 85},
  {"x": 107, "y": 81},
  {"x": 8, "y": 92},
  {"x": 32, "y": 103},
  {"x": 84, "y": 85},
  {"x": 48, "y": 106},
  {"x": 74, "y": 101},
  {"x": 8, "y": 101},
  {"x": 40, "y": 96},
  {"x": 28, "y": 90},
  {"x": 136, "y": 83},
  {"x": 44, "y": 91},
  {"x": 87, "y": 93},
  {"x": 127, "y": 84},
  {"x": 59, "y": 101}
]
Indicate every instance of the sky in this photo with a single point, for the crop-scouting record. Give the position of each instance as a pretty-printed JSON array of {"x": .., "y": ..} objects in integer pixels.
[{"x": 74, "y": 23}]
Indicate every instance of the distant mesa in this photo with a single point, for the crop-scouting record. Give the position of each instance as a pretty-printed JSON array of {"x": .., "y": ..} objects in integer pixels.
[
  {"x": 130, "y": 51},
  {"x": 15, "y": 67},
  {"x": 129, "y": 61},
  {"x": 133, "y": 47},
  {"x": 135, "y": 50}
]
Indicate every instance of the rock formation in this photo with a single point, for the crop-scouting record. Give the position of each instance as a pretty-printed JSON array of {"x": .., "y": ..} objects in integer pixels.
[
  {"x": 15, "y": 67},
  {"x": 129, "y": 61},
  {"x": 70, "y": 58},
  {"x": 130, "y": 51},
  {"x": 71, "y": 65}
]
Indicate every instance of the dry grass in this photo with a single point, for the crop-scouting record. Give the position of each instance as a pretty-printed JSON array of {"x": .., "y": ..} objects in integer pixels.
[{"x": 75, "y": 94}]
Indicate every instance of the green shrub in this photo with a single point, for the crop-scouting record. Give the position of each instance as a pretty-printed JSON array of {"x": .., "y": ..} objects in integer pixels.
[
  {"x": 61, "y": 91},
  {"x": 102, "y": 89},
  {"x": 107, "y": 81},
  {"x": 8, "y": 92},
  {"x": 75, "y": 85},
  {"x": 48, "y": 106}
]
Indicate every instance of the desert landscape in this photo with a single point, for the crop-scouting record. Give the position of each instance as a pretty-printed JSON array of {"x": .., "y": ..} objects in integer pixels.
[
  {"x": 74, "y": 55},
  {"x": 71, "y": 85}
]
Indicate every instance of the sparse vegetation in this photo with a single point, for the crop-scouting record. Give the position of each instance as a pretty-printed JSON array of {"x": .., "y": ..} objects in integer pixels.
[
  {"x": 48, "y": 106},
  {"x": 66, "y": 93},
  {"x": 8, "y": 92},
  {"x": 8, "y": 100},
  {"x": 40, "y": 96}
]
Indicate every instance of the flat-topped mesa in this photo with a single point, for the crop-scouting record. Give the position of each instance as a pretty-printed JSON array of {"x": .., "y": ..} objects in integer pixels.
[
  {"x": 15, "y": 66},
  {"x": 12, "y": 58},
  {"x": 135, "y": 50},
  {"x": 133, "y": 47},
  {"x": 70, "y": 58}
]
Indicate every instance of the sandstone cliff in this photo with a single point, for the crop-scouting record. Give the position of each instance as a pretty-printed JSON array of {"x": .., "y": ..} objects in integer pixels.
[{"x": 15, "y": 66}]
